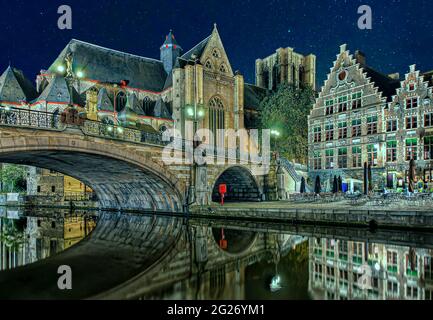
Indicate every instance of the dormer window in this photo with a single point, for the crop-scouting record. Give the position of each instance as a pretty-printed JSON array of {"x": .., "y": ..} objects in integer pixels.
[
  {"x": 223, "y": 68},
  {"x": 411, "y": 87},
  {"x": 208, "y": 65},
  {"x": 216, "y": 53}
]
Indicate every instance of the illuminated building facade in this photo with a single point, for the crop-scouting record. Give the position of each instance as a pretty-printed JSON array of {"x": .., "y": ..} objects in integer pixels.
[
  {"x": 398, "y": 273},
  {"x": 363, "y": 116}
]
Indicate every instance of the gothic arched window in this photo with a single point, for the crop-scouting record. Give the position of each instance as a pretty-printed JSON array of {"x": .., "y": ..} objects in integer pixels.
[
  {"x": 216, "y": 53},
  {"x": 147, "y": 106},
  {"x": 216, "y": 120},
  {"x": 223, "y": 68},
  {"x": 120, "y": 101},
  {"x": 208, "y": 65}
]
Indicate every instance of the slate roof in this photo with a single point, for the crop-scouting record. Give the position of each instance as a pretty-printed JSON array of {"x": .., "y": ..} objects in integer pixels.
[
  {"x": 386, "y": 85},
  {"x": 15, "y": 87},
  {"x": 197, "y": 49},
  {"x": 58, "y": 91},
  {"x": 253, "y": 95},
  {"x": 107, "y": 65},
  {"x": 161, "y": 110},
  {"x": 170, "y": 39}
]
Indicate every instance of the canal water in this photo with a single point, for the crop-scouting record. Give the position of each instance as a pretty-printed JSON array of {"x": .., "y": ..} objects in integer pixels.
[{"x": 126, "y": 256}]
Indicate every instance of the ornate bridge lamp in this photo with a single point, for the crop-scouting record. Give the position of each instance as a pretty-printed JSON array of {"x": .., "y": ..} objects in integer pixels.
[
  {"x": 194, "y": 113},
  {"x": 275, "y": 134}
]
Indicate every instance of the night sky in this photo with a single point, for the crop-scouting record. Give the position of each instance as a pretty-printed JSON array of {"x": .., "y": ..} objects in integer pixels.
[{"x": 402, "y": 31}]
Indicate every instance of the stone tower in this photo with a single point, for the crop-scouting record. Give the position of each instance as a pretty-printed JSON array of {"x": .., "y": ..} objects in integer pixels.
[{"x": 170, "y": 50}]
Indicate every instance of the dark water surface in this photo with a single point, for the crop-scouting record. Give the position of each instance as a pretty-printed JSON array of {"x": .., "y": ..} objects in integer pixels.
[{"x": 126, "y": 256}]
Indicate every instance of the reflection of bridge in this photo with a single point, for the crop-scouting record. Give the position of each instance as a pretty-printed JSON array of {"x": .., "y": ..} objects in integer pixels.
[{"x": 124, "y": 166}]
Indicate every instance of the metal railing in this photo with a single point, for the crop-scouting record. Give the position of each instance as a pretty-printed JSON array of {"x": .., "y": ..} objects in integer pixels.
[
  {"x": 28, "y": 118},
  {"x": 20, "y": 117}
]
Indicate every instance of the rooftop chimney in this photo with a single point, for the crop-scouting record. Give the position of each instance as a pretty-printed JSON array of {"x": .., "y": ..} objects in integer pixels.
[{"x": 360, "y": 57}]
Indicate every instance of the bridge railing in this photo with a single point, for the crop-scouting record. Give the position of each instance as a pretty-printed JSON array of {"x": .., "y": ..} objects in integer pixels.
[
  {"x": 28, "y": 118},
  {"x": 20, "y": 117}
]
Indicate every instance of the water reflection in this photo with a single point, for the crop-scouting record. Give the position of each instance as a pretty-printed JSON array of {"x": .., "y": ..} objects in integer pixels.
[
  {"x": 26, "y": 238},
  {"x": 153, "y": 257}
]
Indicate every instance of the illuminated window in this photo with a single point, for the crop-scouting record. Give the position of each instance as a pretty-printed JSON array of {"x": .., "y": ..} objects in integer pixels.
[
  {"x": 411, "y": 103},
  {"x": 372, "y": 125},
  {"x": 329, "y": 159},
  {"x": 356, "y": 128},
  {"x": 411, "y": 149},
  {"x": 391, "y": 151},
  {"x": 356, "y": 157},
  {"x": 372, "y": 154},
  {"x": 342, "y": 130}
]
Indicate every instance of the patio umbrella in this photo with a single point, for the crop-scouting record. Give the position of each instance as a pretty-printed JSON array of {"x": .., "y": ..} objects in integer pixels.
[
  {"x": 302, "y": 185},
  {"x": 365, "y": 178},
  {"x": 412, "y": 175},
  {"x": 335, "y": 185},
  {"x": 317, "y": 186},
  {"x": 340, "y": 184}
]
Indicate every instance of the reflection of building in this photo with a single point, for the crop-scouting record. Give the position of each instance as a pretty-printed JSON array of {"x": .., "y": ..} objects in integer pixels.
[
  {"x": 30, "y": 239},
  {"x": 288, "y": 67},
  {"x": 397, "y": 272},
  {"x": 363, "y": 116},
  {"x": 47, "y": 182}
]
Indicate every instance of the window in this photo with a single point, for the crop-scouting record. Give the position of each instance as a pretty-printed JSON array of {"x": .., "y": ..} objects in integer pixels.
[
  {"x": 391, "y": 151},
  {"x": 411, "y": 87},
  {"x": 120, "y": 101},
  {"x": 329, "y": 107},
  {"x": 342, "y": 158},
  {"x": 356, "y": 157},
  {"x": 372, "y": 154},
  {"x": 342, "y": 130},
  {"x": 428, "y": 148},
  {"x": 371, "y": 124},
  {"x": 411, "y": 122},
  {"x": 411, "y": 149},
  {"x": 411, "y": 103},
  {"x": 329, "y": 159},
  {"x": 223, "y": 68},
  {"x": 216, "y": 120},
  {"x": 411, "y": 292},
  {"x": 356, "y": 128},
  {"x": 208, "y": 65},
  {"x": 342, "y": 104},
  {"x": 39, "y": 189},
  {"x": 356, "y": 100},
  {"x": 53, "y": 188},
  {"x": 329, "y": 131},
  {"x": 428, "y": 269},
  {"x": 392, "y": 288},
  {"x": 428, "y": 120},
  {"x": 148, "y": 106},
  {"x": 216, "y": 53},
  {"x": 391, "y": 125},
  {"x": 317, "y": 134},
  {"x": 317, "y": 161}
]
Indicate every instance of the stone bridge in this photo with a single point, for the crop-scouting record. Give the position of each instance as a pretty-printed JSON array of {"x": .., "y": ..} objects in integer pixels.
[{"x": 123, "y": 166}]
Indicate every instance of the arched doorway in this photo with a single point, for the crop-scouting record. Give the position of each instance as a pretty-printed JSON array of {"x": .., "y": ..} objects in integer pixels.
[{"x": 241, "y": 186}]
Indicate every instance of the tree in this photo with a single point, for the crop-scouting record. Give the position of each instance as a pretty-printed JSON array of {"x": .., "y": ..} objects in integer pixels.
[
  {"x": 287, "y": 110},
  {"x": 12, "y": 178}
]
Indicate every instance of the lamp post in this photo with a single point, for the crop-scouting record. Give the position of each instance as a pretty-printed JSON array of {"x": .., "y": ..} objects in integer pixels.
[
  {"x": 276, "y": 134},
  {"x": 195, "y": 113}
]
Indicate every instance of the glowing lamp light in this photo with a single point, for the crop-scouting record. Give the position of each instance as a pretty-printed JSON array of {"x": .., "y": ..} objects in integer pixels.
[
  {"x": 275, "y": 133},
  {"x": 110, "y": 129},
  {"x": 61, "y": 68},
  {"x": 190, "y": 112},
  {"x": 7, "y": 108},
  {"x": 377, "y": 266},
  {"x": 120, "y": 130},
  {"x": 200, "y": 113},
  {"x": 80, "y": 74}
]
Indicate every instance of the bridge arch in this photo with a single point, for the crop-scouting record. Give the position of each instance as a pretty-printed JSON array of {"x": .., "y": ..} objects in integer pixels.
[
  {"x": 241, "y": 185},
  {"x": 121, "y": 176}
]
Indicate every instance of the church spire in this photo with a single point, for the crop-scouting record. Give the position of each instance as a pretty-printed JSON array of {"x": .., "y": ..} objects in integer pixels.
[{"x": 170, "y": 51}]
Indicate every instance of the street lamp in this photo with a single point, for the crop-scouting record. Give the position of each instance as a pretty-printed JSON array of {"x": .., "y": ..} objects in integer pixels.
[{"x": 276, "y": 134}]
